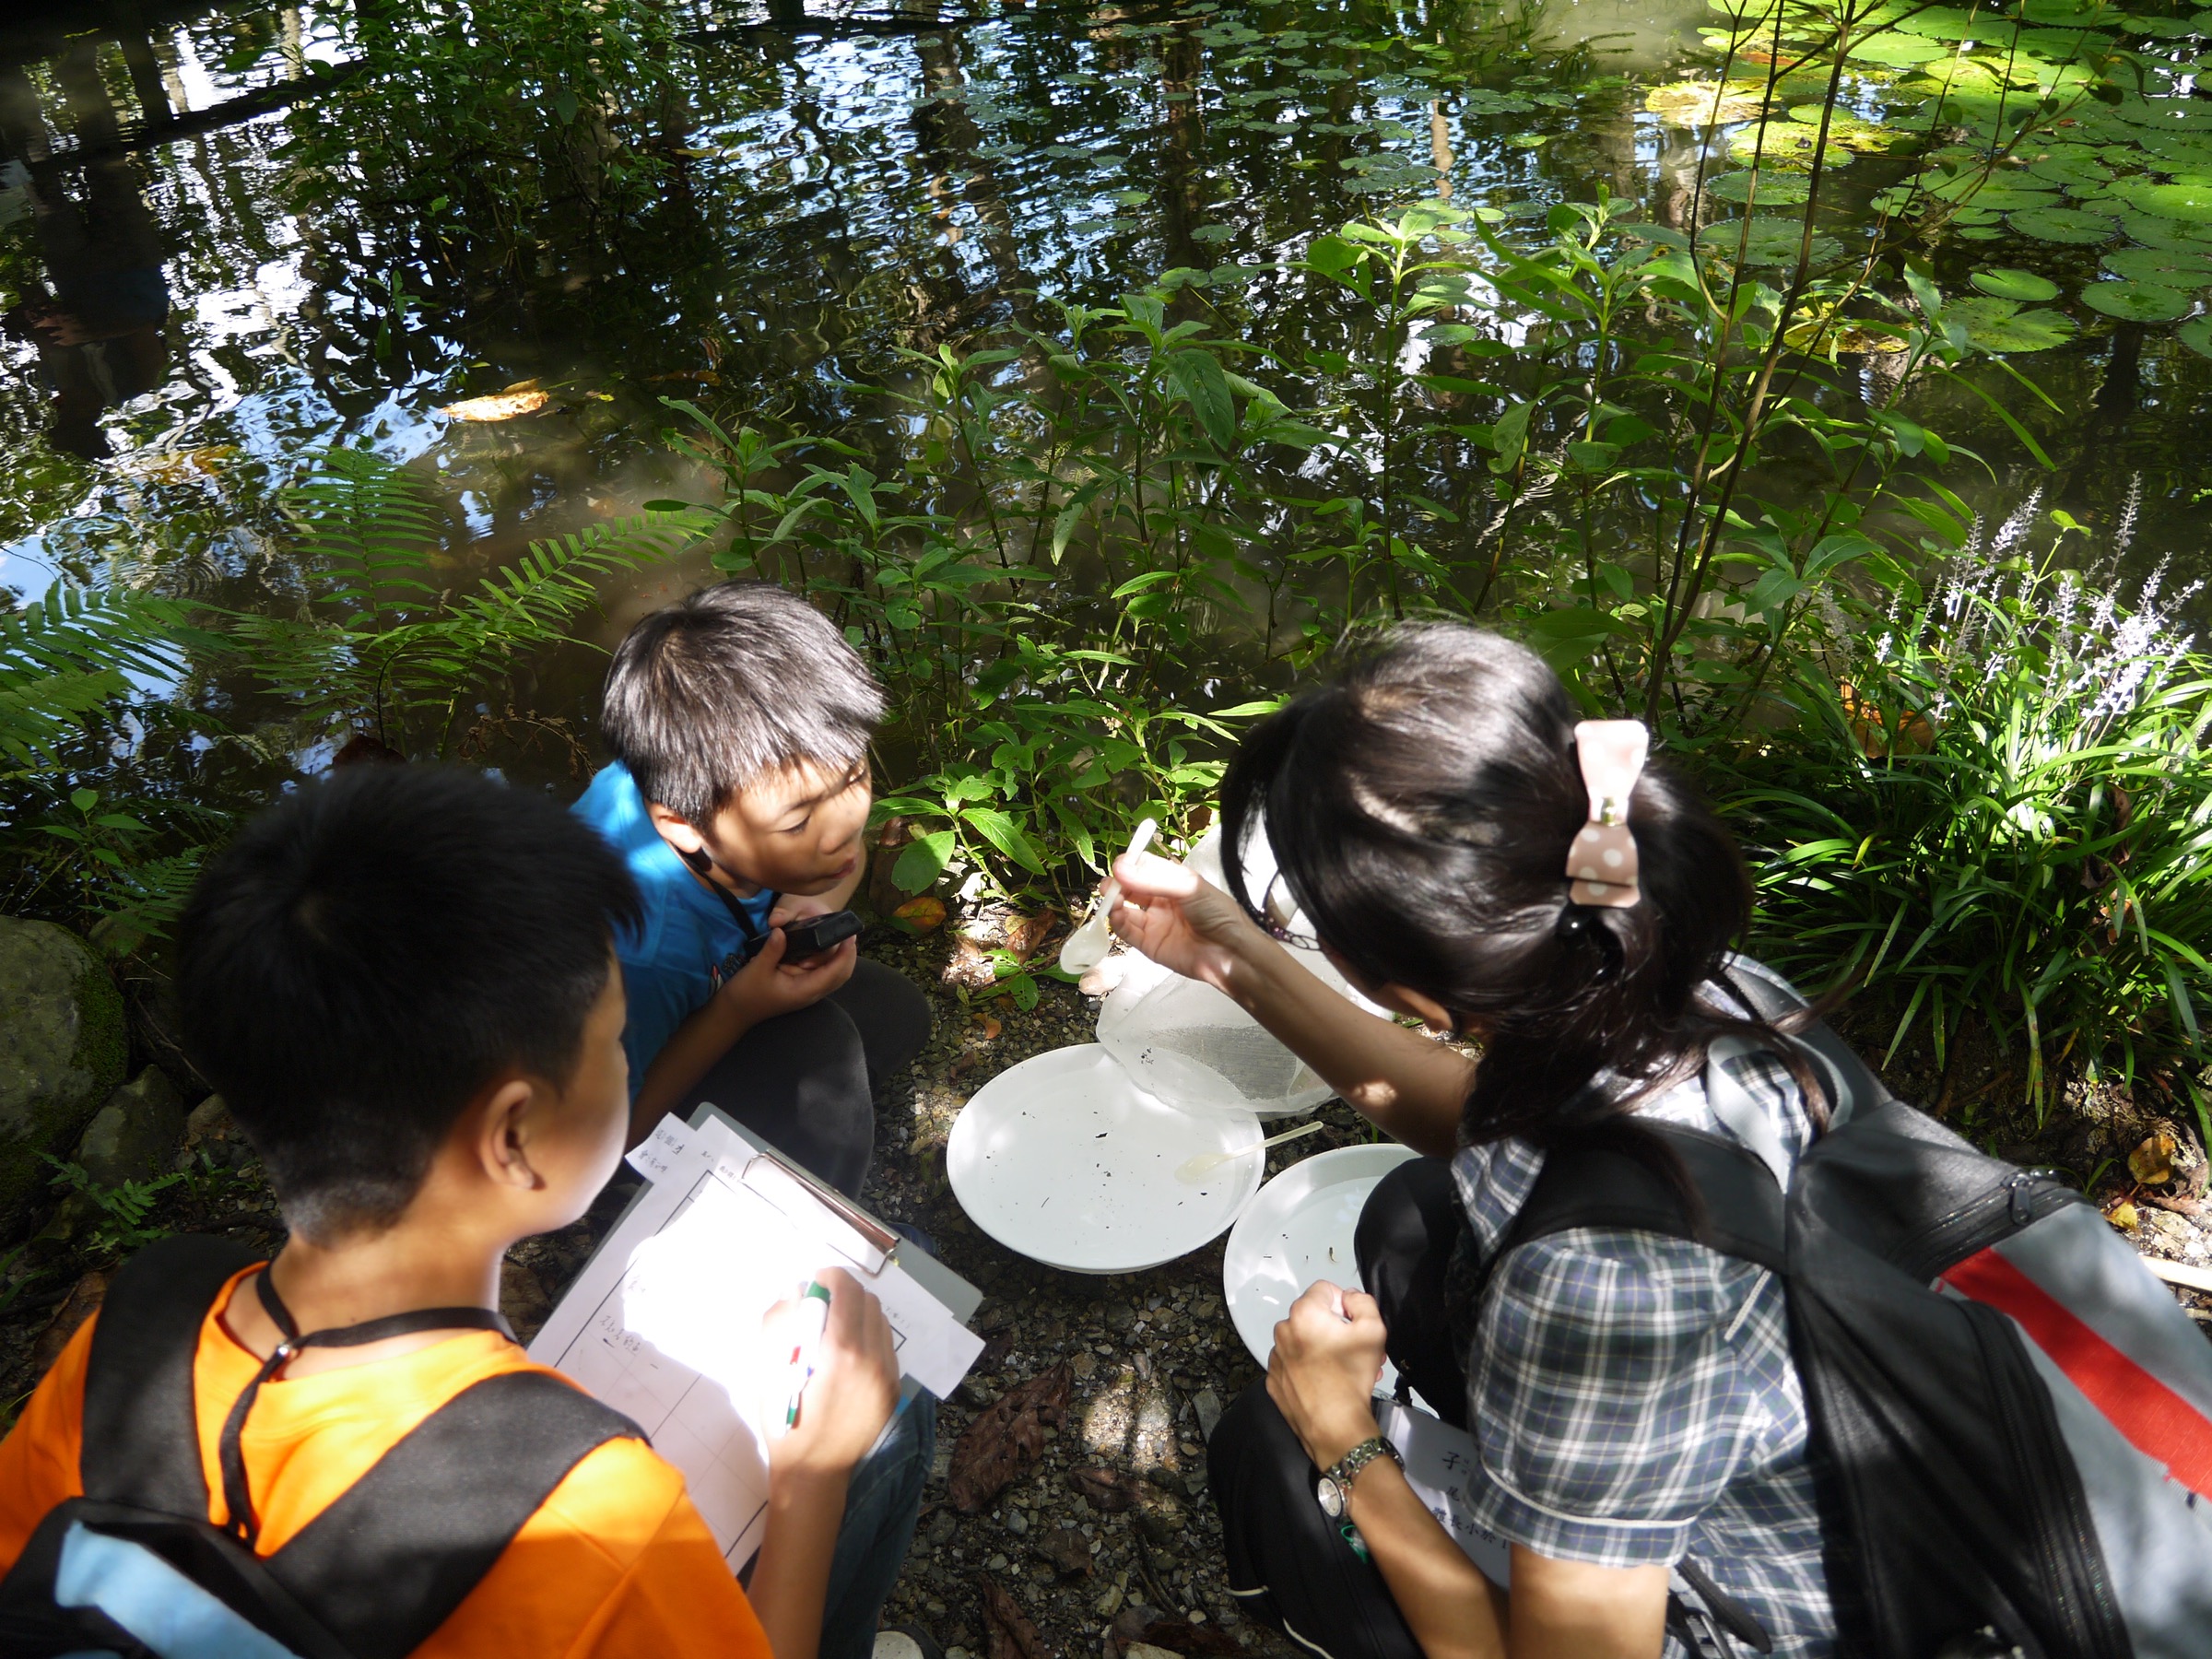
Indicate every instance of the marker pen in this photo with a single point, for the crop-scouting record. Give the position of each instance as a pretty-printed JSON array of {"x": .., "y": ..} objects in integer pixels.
[{"x": 813, "y": 1316}]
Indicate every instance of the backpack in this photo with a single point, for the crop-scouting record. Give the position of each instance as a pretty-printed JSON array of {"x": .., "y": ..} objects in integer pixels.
[
  {"x": 133, "y": 1567},
  {"x": 2011, "y": 1417}
]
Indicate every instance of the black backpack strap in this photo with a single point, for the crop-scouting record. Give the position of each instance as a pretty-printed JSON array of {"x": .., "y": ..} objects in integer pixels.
[
  {"x": 390, "y": 1560},
  {"x": 141, "y": 1439},
  {"x": 1605, "y": 1186}
]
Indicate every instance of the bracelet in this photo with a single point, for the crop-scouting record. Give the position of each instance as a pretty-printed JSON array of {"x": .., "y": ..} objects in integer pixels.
[{"x": 1335, "y": 1489}]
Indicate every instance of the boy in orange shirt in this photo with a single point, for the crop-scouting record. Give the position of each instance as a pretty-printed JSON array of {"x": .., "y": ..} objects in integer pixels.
[{"x": 403, "y": 981}]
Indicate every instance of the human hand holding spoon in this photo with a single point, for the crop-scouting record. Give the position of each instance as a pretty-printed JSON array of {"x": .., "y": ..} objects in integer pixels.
[
  {"x": 1197, "y": 1169},
  {"x": 1088, "y": 945}
]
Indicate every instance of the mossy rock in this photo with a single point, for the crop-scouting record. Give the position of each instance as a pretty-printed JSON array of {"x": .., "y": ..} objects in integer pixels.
[{"x": 63, "y": 1049}]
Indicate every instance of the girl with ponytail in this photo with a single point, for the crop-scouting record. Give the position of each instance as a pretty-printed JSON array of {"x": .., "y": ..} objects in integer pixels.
[{"x": 1473, "y": 857}]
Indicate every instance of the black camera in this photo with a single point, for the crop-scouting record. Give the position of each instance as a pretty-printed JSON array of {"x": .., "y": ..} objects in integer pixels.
[{"x": 811, "y": 935}]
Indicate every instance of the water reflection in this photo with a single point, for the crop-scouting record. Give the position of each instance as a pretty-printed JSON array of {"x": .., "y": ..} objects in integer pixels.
[{"x": 187, "y": 314}]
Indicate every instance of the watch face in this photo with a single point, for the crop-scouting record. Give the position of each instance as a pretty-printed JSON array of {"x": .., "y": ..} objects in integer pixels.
[{"x": 1331, "y": 1496}]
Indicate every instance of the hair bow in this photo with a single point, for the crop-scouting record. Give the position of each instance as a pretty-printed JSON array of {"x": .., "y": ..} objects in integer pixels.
[{"x": 1601, "y": 862}]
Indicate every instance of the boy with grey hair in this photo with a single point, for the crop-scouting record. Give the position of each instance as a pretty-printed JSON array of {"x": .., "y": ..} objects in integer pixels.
[{"x": 740, "y": 720}]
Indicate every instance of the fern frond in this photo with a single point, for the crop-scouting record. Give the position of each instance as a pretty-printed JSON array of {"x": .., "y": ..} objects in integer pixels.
[{"x": 371, "y": 524}]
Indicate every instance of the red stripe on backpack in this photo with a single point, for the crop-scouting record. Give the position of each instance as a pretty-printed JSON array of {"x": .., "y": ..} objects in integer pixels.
[{"x": 2155, "y": 1419}]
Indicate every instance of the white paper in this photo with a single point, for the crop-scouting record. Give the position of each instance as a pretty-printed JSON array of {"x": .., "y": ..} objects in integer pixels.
[
  {"x": 1440, "y": 1467},
  {"x": 664, "y": 1324}
]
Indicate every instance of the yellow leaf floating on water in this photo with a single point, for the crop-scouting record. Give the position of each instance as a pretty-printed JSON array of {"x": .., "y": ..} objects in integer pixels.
[
  {"x": 2152, "y": 1162},
  {"x": 500, "y": 406},
  {"x": 1693, "y": 102}
]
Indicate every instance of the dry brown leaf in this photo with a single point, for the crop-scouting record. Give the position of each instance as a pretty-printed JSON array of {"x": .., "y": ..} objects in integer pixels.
[
  {"x": 500, "y": 406},
  {"x": 1006, "y": 1439},
  {"x": 1013, "y": 1634},
  {"x": 971, "y": 967},
  {"x": 2123, "y": 1216},
  {"x": 1179, "y": 1636},
  {"x": 921, "y": 915},
  {"x": 1108, "y": 1491},
  {"x": 1067, "y": 1549},
  {"x": 2152, "y": 1162},
  {"x": 1024, "y": 933},
  {"x": 991, "y": 1027},
  {"x": 80, "y": 1304}
]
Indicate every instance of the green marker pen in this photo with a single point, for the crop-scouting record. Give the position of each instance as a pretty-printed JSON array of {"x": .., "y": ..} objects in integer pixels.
[{"x": 813, "y": 1316}]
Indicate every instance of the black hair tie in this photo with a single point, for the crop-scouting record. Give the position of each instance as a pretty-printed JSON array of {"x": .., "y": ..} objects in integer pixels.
[{"x": 1584, "y": 926}]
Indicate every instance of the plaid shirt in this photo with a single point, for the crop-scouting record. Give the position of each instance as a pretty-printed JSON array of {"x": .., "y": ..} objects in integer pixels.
[{"x": 1633, "y": 1396}]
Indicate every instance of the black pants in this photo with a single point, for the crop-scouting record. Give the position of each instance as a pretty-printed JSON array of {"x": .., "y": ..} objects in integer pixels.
[
  {"x": 1289, "y": 1564},
  {"x": 805, "y": 1082}
]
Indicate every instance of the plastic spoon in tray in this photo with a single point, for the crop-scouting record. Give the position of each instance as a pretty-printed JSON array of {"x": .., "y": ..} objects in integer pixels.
[
  {"x": 1197, "y": 1169},
  {"x": 1088, "y": 945}
]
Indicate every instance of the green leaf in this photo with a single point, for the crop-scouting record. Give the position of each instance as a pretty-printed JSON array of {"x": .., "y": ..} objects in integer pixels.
[
  {"x": 923, "y": 861},
  {"x": 2136, "y": 302},
  {"x": 2190, "y": 203},
  {"x": 83, "y": 800},
  {"x": 2166, "y": 267},
  {"x": 1332, "y": 256},
  {"x": 2071, "y": 224},
  {"x": 2007, "y": 283},
  {"x": 2196, "y": 333},
  {"x": 1005, "y": 834},
  {"x": 1022, "y": 988},
  {"x": 1198, "y": 376}
]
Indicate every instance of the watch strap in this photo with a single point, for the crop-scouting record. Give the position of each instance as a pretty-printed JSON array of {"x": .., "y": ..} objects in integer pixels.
[{"x": 1347, "y": 1467}]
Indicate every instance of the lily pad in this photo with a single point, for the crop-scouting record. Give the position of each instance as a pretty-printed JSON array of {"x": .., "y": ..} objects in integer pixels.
[
  {"x": 1693, "y": 103},
  {"x": 1771, "y": 241},
  {"x": 2009, "y": 284},
  {"x": 2190, "y": 203},
  {"x": 2163, "y": 266},
  {"x": 2070, "y": 170},
  {"x": 2076, "y": 225},
  {"x": 1786, "y": 143},
  {"x": 2001, "y": 326},
  {"x": 2136, "y": 302},
  {"x": 2167, "y": 114},
  {"x": 1894, "y": 51},
  {"x": 2196, "y": 333},
  {"x": 1776, "y": 189},
  {"x": 2168, "y": 233}
]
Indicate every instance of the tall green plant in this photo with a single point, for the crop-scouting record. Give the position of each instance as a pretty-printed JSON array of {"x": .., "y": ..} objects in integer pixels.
[{"x": 1997, "y": 804}]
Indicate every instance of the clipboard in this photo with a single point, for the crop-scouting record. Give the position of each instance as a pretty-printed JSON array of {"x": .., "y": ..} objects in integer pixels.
[{"x": 662, "y": 1322}]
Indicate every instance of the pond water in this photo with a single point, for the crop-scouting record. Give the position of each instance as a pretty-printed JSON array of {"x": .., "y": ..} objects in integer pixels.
[{"x": 193, "y": 308}]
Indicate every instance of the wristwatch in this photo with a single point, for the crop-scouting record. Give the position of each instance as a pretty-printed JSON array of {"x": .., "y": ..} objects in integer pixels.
[{"x": 1335, "y": 1491}]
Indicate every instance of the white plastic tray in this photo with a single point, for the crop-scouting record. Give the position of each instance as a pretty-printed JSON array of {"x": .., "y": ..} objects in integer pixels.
[
  {"x": 1064, "y": 1159},
  {"x": 1296, "y": 1232}
]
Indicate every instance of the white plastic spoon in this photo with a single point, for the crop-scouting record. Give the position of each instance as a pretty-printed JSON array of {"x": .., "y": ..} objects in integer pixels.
[
  {"x": 1197, "y": 1169},
  {"x": 1088, "y": 945}
]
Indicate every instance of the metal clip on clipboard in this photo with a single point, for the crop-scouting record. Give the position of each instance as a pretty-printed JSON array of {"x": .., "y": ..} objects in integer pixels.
[{"x": 854, "y": 1234}]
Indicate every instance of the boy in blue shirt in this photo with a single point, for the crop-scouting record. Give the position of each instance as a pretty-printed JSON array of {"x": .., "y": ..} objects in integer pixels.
[{"x": 740, "y": 720}]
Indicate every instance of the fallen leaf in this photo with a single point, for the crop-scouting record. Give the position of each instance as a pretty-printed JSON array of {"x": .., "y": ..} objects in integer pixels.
[
  {"x": 921, "y": 916},
  {"x": 80, "y": 1304},
  {"x": 1067, "y": 1549},
  {"x": 2123, "y": 1216},
  {"x": 2152, "y": 1162},
  {"x": 991, "y": 1027},
  {"x": 1006, "y": 1440},
  {"x": 1109, "y": 1491},
  {"x": 1024, "y": 933},
  {"x": 970, "y": 968},
  {"x": 1178, "y": 1636},
  {"x": 500, "y": 406},
  {"x": 1013, "y": 1634}
]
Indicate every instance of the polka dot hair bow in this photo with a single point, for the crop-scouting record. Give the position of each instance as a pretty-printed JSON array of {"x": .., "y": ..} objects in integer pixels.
[{"x": 1602, "y": 861}]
